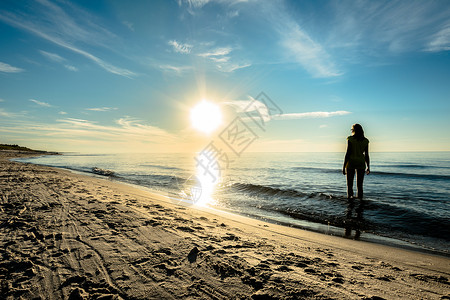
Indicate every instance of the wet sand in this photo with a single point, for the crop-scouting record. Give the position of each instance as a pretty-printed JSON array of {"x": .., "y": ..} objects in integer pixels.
[{"x": 70, "y": 236}]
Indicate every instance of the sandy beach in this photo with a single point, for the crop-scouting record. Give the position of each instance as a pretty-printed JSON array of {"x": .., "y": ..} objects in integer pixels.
[{"x": 70, "y": 236}]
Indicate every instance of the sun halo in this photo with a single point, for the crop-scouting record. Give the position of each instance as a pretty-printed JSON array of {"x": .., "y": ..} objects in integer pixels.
[{"x": 206, "y": 116}]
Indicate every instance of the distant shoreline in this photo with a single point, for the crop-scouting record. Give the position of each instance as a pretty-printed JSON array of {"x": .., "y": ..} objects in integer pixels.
[{"x": 24, "y": 150}]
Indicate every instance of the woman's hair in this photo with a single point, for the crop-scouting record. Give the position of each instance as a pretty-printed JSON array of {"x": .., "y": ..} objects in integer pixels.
[{"x": 358, "y": 131}]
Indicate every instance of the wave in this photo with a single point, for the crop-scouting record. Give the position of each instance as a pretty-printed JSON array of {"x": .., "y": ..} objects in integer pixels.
[
  {"x": 412, "y": 175},
  {"x": 382, "y": 173},
  {"x": 408, "y": 166},
  {"x": 257, "y": 189},
  {"x": 415, "y": 166},
  {"x": 161, "y": 167},
  {"x": 156, "y": 180}
]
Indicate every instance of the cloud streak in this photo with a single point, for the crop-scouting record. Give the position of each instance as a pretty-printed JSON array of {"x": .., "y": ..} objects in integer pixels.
[
  {"x": 102, "y": 108},
  {"x": 440, "y": 41},
  {"x": 374, "y": 28},
  {"x": 127, "y": 129},
  {"x": 41, "y": 103},
  {"x": 253, "y": 106},
  {"x": 177, "y": 70},
  {"x": 223, "y": 62},
  {"x": 298, "y": 44},
  {"x": 308, "y": 53},
  {"x": 311, "y": 115},
  {"x": 59, "y": 28},
  {"x": 127, "y": 126},
  {"x": 180, "y": 47},
  {"x": 7, "y": 114},
  {"x": 52, "y": 56},
  {"x": 217, "y": 52},
  {"x": 59, "y": 59},
  {"x": 6, "y": 68},
  {"x": 71, "y": 68},
  {"x": 70, "y": 134}
]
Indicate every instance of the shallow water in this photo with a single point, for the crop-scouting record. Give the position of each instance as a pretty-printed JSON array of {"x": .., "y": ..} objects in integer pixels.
[{"x": 406, "y": 197}]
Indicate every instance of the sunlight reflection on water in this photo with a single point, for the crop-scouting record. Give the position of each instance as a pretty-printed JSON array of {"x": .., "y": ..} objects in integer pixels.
[{"x": 208, "y": 178}]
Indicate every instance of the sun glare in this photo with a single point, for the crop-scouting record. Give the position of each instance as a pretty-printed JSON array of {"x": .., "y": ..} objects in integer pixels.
[{"x": 206, "y": 116}]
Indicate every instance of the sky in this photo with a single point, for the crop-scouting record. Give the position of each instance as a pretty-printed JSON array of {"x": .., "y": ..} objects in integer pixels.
[{"x": 123, "y": 76}]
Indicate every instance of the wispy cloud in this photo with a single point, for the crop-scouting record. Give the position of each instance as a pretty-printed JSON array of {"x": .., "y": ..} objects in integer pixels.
[
  {"x": 177, "y": 70},
  {"x": 6, "y": 114},
  {"x": 52, "y": 56},
  {"x": 233, "y": 14},
  {"x": 356, "y": 32},
  {"x": 129, "y": 25},
  {"x": 222, "y": 51},
  {"x": 59, "y": 59},
  {"x": 41, "y": 103},
  {"x": 136, "y": 126},
  {"x": 62, "y": 113},
  {"x": 102, "y": 108},
  {"x": 180, "y": 47},
  {"x": 298, "y": 44},
  {"x": 71, "y": 68},
  {"x": 4, "y": 67},
  {"x": 64, "y": 29},
  {"x": 193, "y": 5},
  {"x": 314, "y": 114},
  {"x": 223, "y": 59},
  {"x": 220, "y": 56},
  {"x": 374, "y": 28},
  {"x": 70, "y": 134},
  {"x": 263, "y": 111},
  {"x": 440, "y": 41},
  {"x": 231, "y": 67},
  {"x": 307, "y": 52},
  {"x": 127, "y": 129}
]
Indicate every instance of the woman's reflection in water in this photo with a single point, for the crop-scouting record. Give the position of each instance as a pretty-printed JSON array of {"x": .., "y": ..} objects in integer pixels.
[{"x": 354, "y": 218}]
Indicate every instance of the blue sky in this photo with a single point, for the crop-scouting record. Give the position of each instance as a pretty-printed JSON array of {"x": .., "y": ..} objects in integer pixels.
[{"x": 121, "y": 76}]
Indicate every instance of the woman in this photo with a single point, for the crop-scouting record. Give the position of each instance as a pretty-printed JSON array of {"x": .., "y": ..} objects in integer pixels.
[{"x": 356, "y": 159}]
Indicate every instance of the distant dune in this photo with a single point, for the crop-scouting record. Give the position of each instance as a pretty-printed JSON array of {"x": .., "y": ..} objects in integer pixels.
[{"x": 21, "y": 148}]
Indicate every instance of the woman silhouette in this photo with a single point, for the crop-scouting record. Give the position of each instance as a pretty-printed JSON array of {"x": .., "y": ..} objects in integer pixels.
[{"x": 356, "y": 159}]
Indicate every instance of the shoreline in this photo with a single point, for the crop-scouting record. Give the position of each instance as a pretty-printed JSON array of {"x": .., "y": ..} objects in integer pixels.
[
  {"x": 65, "y": 234},
  {"x": 329, "y": 231}
]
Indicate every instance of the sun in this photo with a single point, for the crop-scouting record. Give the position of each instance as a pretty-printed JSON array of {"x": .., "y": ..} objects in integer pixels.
[{"x": 206, "y": 116}]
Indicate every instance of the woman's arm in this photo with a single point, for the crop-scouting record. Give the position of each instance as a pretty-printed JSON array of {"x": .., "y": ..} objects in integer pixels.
[
  {"x": 347, "y": 157},
  {"x": 367, "y": 159}
]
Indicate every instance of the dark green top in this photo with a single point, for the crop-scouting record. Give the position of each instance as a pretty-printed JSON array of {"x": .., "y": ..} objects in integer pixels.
[{"x": 357, "y": 148}]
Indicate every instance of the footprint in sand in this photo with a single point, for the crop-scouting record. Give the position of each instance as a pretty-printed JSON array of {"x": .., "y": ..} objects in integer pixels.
[
  {"x": 427, "y": 278},
  {"x": 152, "y": 222},
  {"x": 284, "y": 269},
  {"x": 185, "y": 228}
]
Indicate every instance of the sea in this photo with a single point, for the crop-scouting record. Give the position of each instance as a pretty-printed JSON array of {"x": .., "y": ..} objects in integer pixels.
[{"x": 406, "y": 196}]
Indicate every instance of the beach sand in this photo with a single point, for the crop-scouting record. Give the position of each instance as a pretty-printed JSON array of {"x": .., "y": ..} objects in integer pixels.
[{"x": 70, "y": 236}]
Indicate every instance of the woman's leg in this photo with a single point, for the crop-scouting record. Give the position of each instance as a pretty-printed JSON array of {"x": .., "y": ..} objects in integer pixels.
[
  {"x": 359, "y": 182},
  {"x": 350, "y": 178}
]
